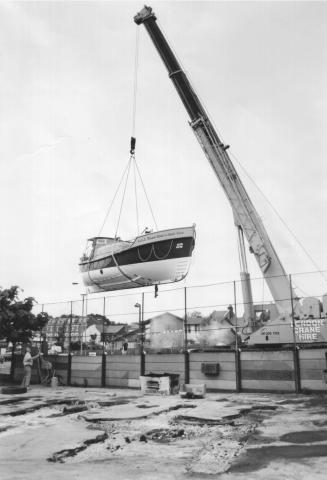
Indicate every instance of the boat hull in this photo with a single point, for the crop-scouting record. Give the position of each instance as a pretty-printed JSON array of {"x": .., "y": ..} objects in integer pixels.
[{"x": 153, "y": 259}]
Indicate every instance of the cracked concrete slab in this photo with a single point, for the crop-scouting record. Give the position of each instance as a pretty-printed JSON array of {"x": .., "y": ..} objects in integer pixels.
[{"x": 138, "y": 437}]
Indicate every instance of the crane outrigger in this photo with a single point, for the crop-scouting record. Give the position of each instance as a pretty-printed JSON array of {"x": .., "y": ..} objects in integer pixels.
[{"x": 246, "y": 217}]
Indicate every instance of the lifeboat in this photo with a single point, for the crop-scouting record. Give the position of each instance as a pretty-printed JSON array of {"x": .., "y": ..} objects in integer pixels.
[{"x": 152, "y": 258}]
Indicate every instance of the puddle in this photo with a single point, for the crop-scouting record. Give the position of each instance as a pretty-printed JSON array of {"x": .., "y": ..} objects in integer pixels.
[
  {"x": 305, "y": 436},
  {"x": 257, "y": 458}
]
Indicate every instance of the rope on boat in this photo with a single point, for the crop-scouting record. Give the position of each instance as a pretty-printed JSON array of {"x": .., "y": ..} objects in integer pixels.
[
  {"x": 165, "y": 255},
  {"x": 144, "y": 259},
  {"x": 125, "y": 274}
]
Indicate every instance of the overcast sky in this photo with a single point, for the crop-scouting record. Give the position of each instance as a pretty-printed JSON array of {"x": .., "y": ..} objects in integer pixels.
[{"x": 66, "y": 90}]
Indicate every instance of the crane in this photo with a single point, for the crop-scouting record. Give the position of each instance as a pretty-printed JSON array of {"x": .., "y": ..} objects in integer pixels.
[{"x": 246, "y": 217}]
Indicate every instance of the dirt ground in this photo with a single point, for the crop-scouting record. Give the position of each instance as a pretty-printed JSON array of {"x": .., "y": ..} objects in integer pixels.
[{"x": 82, "y": 433}]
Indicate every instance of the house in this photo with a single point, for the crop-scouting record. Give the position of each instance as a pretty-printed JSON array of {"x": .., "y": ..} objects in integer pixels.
[
  {"x": 92, "y": 334},
  {"x": 194, "y": 328},
  {"x": 57, "y": 329},
  {"x": 111, "y": 332},
  {"x": 165, "y": 331}
]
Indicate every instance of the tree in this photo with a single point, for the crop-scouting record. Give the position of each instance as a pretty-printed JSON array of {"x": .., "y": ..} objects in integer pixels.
[{"x": 17, "y": 322}]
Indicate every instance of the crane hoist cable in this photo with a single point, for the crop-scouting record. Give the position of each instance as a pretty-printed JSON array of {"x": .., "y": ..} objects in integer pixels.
[
  {"x": 132, "y": 160},
  {"x": 114, "y": 198}
]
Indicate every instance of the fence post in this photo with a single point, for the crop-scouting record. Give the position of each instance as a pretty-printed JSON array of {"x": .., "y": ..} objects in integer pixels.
[
  {"x": 83, "y": 295},
  {"x": 297, "y": 371},
  {"x": 69, "y": 366},
  {"x": 103, "y": 370},
  {"x": 186, "y": 353},
  {"x": 296, "y": 362},
  {"x": 142, "y": 354},
  {"x": 103, "y": 366},
  {"x": 70, "y": 327},
  {"x": 238, "y": 370},
  {"x": 69, "y": 370}
]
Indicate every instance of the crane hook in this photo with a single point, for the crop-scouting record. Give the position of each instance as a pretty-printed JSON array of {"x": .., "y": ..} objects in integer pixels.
[{"x": 133, "y": 143}]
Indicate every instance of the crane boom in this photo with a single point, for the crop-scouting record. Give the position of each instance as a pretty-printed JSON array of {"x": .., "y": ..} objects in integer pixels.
[{"x": 246, "y": 218}]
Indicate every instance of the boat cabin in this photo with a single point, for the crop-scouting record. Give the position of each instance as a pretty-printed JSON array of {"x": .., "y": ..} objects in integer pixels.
[{"x": 100, "y": 246}]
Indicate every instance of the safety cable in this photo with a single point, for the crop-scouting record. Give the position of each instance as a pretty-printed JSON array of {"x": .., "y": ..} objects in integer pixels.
[
  {"x": 280, "y": 218},
  {"x": 146, "y": 195},
  {"x": 114, "y": 197},
  {"x": 124, "y": 192},
  {"x": 136, "y": 201}
]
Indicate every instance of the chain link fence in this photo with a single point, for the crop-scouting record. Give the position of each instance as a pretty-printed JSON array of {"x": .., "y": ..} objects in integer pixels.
[{"x": 179, "y": 318}]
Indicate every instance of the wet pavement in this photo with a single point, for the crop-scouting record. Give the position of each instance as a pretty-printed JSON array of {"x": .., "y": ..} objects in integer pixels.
[{"x": 111, "y": 433}]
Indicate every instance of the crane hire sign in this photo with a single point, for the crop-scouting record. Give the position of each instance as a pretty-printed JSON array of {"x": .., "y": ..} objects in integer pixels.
[{"x": 310, "y": 330}]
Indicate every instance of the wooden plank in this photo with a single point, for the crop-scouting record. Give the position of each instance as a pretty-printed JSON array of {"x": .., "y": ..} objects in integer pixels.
[
  {"x": 118, "y": 382},
  {"x": 273, "y": 375},
  {"x": 88, "y": 360},
  {"x": 120, "y": 374},
  {"x": 164, "y": 367},
  {"x": 266, "y": 365},
  {"x": 123, "y": 358},
  {"x": 223, "y": 375},
  {"x": 91, "y": 382},
  {"x": 86, "y": 373},
  {"x": 311, "y": 374},
  {"x": 165, "y": 358},
  {"x": 316, "y": 364},
  {"x": 268, "y": 385},
  {"x": 314, "y": 385},
  {"x": 266, "y": 355},
  {"x": 228, "y": 366},
  {"x": 123, "y": 366},
  {"x": 212, "y": 357},
  {"x": 86, "y": 366},
  {"x": 313, "y": 354},
  {"x": 216, "y": 384}
]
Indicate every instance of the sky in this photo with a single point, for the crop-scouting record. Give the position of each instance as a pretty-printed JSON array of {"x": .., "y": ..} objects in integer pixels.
[{"x": 66, "y": 95}]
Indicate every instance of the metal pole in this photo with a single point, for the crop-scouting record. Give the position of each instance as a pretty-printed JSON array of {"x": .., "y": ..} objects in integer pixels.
[
  {"x": 142, "y": 323},
  {"x": 142, "y": 331},
  {"x": 70, "y": 327},
  {"x": 41, "y": 333},
  {"x": 235, "y": 311},
  {"x": 104, "y": 314},
  {"x": 292, "y": 306},
  {"x": 185, "y": 319},
  {"x": 296, "y": 362},
  {"x": 104, "y": 358},
  {"x": 82, "y": 326}
]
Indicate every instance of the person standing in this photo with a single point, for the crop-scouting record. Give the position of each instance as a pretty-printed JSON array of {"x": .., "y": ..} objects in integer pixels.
[{"x": 28, "y": 364}]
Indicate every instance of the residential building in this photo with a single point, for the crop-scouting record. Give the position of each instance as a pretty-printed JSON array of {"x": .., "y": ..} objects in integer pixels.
[{"x": 165, "y": 331}]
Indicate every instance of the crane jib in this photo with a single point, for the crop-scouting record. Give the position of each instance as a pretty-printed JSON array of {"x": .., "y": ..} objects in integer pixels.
[{"x": 246, "y": 216}]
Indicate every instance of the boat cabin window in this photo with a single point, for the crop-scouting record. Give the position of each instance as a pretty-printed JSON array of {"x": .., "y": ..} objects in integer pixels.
[
  {"x": 94, "y": 244},
  {"x": 88, "y": 250}
]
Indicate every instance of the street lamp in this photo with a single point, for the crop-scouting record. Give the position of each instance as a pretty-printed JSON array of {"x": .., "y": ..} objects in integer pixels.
[
  {"x": 138, "y": 305},
  {"x": 83, "y": 295}
]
